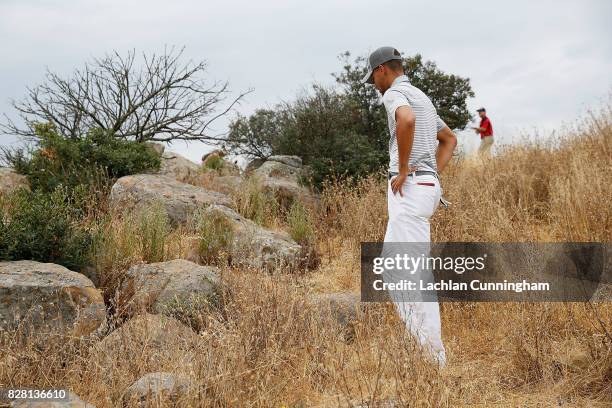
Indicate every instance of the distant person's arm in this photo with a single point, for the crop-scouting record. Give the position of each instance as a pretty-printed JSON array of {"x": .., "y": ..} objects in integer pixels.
[
  {"x": 447, "y": 141},
  {"x": 479, "y": 130}
]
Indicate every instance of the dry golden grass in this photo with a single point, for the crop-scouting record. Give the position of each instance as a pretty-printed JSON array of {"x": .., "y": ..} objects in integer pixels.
[{"x": 269, "y": 346}]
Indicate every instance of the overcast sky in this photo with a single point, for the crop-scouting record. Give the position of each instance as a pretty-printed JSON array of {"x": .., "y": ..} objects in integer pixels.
[{"x": 533, "y": 64}]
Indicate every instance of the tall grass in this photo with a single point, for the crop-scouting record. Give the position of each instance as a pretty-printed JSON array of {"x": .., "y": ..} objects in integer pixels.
[{"x": 125, "y": 239}]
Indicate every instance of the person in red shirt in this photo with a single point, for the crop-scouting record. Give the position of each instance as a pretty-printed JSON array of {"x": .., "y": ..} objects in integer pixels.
[{"x": 486, "y": 133}]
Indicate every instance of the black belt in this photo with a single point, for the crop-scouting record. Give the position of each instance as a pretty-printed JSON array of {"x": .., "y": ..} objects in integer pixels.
[{"x": 416, "y": 173}]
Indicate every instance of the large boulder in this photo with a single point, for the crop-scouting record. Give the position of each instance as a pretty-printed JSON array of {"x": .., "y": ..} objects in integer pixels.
[
  {"x": 254, "y": 246},
  {"x": 48, "y": 298},
  {"x": 163, "y": 286},
  {"x": 180, "y": 200},
  {"x": 287, "y": 191},
  {"x": 278, "y": 169},
  {"x": 292, "y": 161},
  {"x": 253, "y": 165},
  {"x": 225, "y": 184},
  {"x": 71, "y": 401},
  {"x": 280, "y": 176},
  {"x": 152, "y": 330},
  {"x": 10, "y": 181},
  {"x": 154, "y": 340},
  {"x": 157, "y": 387},
  {"x": 177, "y": 166}
]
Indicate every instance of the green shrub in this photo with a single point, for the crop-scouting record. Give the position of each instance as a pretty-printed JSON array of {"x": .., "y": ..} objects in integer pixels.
[
  {"x": 256, "y": 204},
  {"x": 215, "y": 163},
  {"x": 153, "y": 229},
  {"x": 44, "y": 227},
  {"x": 303, "y": 231},
  {"x": 215, "y": 234},
  {"x": 300, "y": 224},
  {"x": 97, "y": 158}
]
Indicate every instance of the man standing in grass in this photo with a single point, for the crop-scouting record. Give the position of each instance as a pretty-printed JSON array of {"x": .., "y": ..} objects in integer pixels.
[
  {"x": 420, "y": 146},
  {"x": 485, "y": 130}
]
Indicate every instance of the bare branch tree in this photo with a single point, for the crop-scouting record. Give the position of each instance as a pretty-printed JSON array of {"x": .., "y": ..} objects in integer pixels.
[{"x": 162, "y": 100}]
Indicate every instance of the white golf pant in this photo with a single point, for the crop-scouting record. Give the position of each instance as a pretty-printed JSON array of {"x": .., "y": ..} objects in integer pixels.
[{"x": 409, "y": 223}]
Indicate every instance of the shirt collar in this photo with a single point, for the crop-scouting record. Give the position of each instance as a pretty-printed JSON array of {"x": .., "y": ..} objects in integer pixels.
[{"x": 399, "y": 79}]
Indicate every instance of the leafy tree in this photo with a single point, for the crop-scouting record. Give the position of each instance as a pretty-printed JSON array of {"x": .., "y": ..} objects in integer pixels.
[
  {"x": 343, "y": 132},
  {"x": 448, "y": 92},
  {"x": 320, "y": 126}
]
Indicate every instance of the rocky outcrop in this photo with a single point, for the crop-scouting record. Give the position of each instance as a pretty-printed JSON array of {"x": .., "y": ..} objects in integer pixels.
[
  {"x": 71, "y": 401},
  {"x": 280, "y": 176},
  {"x": 163, "y": 286},
  {"x": 155, "y": 340},
  {"x": 254, "y": 246},
  {"x": 292, "y": 161},
  {"x": 10, "y": 181},
  {"x": 280, "y": 167},
  {"x": 158, "y": 147},
  {"x": 177, "y": 166},
  {"x": 47, "y": 298},
  {"x": 153, "y": 330},
  {"x": 159, "y": 386},
  {"x": 180, "y": 200},
  {"x": 287, "y": 191},
  {"x": 253, "y": 165},
  {"x": 225, "y": 184}
]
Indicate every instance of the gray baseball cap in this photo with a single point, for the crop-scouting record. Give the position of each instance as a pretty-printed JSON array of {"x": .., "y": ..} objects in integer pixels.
[{"x": 379, "y": 57}]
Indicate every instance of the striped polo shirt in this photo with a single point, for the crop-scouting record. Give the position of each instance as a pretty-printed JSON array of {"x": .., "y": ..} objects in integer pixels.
[{"x": 427, "y": 124}]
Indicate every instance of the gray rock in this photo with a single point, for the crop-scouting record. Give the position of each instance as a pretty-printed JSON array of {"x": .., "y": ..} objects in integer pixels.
[
  {"x": 253, "y": 245},
  {"x": 72, "y": 401},
  {"x": 157, "y": 386},
  {"x": 154, "y": 339},
  {"x": 10, "y": 181},
  {"x": 158, "y": 147},
  {"x": 177, "y": 166},
  {"x": 278, "y": 170},
  {"x": 48, "y": 298},
  {"x": 293, "y": 161},
  {"x": 254, "y": 165},
  {"x": 344, "y": 307},
  {"x": 225, "y": 184},
  {"x": 163, "y": 285},
  {"x": 287, "y": 191},
  {"x": 180, "y": 200},
  {"x": 155, "y": 330},
  {"x": 280, "y": 175}
]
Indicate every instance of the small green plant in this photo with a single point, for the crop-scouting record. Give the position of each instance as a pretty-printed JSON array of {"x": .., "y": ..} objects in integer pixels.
[
  {"x": 153, "y": 229},
  {"x": 215, "y": 234},
  {"x": 303, "y": 231},
  {"x": 300, "y": 224},
  {"x": 44, "y": 227},
  {"x": 255, "y": 203},
  {"x": 215, "y": 163}
]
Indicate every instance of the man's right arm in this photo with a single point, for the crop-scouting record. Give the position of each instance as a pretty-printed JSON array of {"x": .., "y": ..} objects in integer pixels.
[{"x": 447, "y": 141}]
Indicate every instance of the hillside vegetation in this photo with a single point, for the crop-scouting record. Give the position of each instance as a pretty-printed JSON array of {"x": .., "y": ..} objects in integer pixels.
[{"x": 268, "y": 343}]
